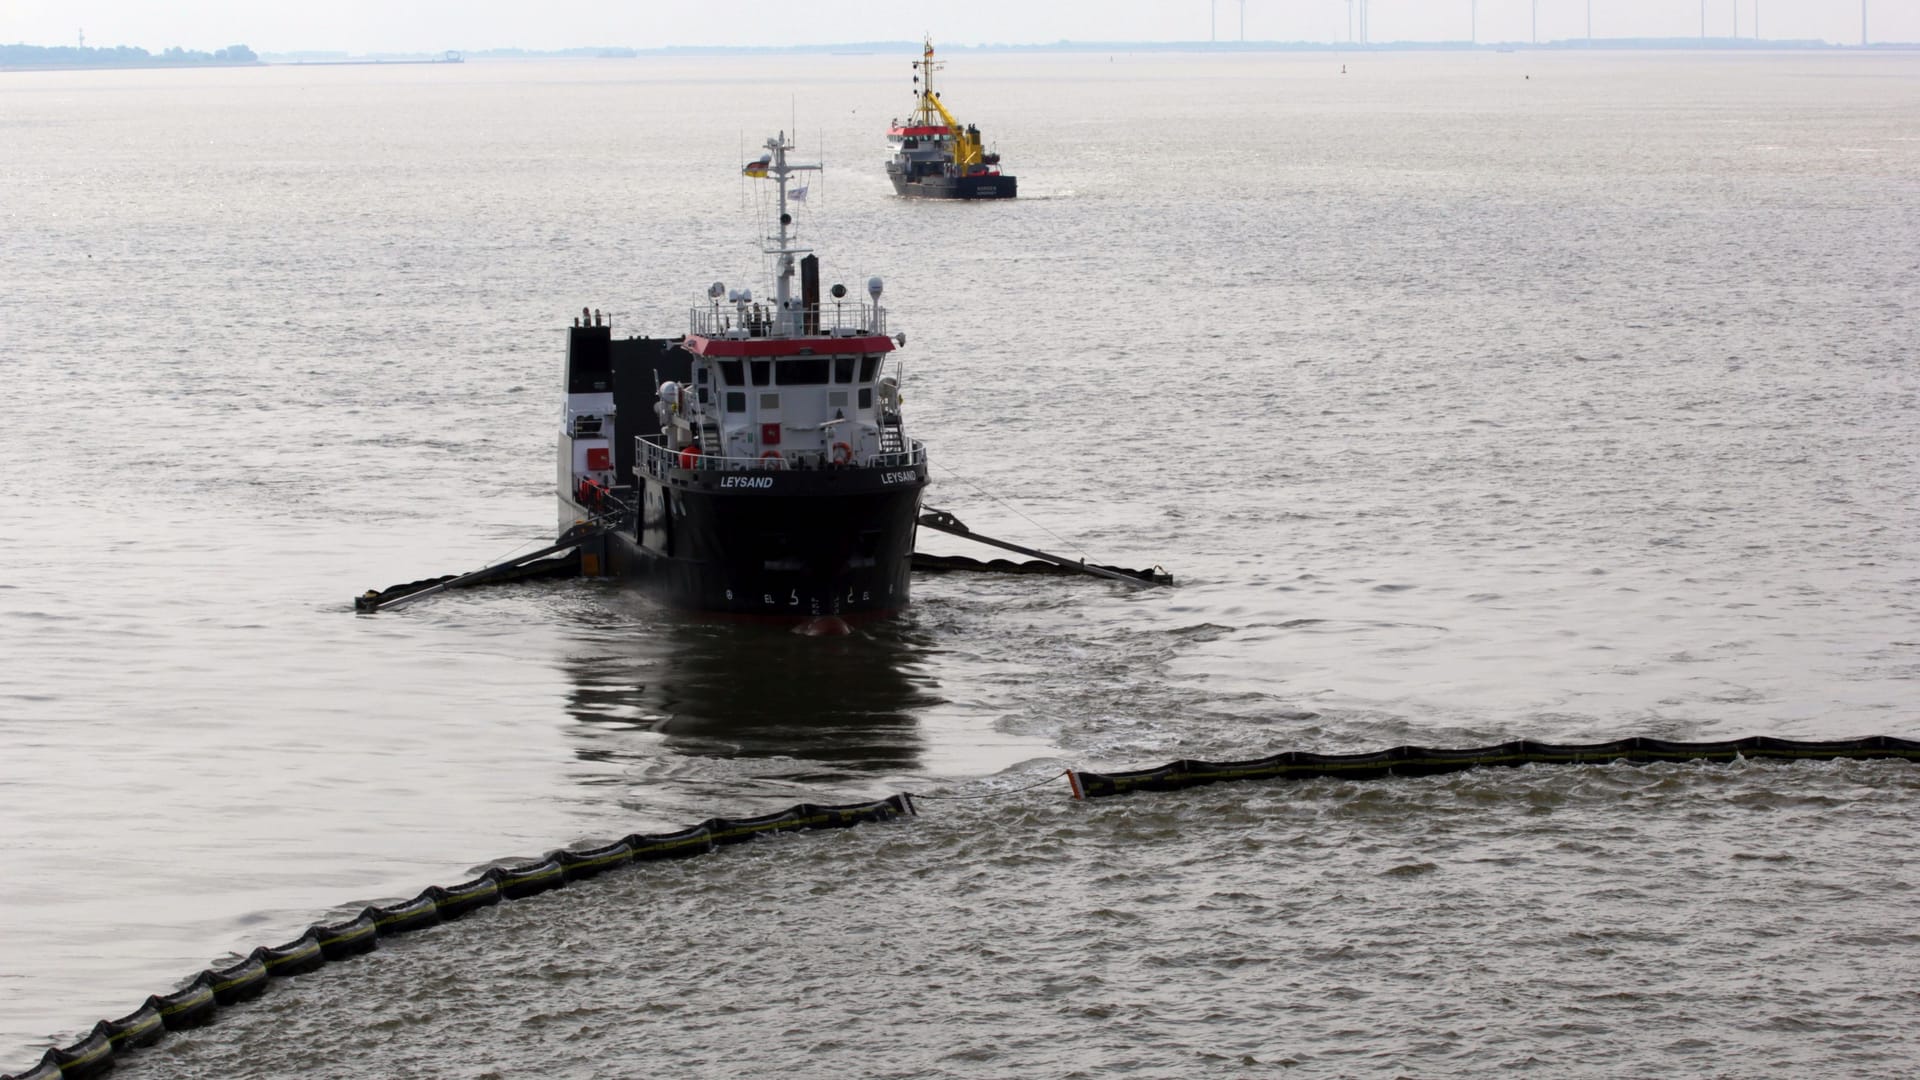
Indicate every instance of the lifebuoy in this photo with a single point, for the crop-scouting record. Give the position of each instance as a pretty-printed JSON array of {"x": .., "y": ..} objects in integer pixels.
[
  {"x": 774, "y": 458},
  {"x": 842, "y": 453},
  {"x": 689, "y": 456}
]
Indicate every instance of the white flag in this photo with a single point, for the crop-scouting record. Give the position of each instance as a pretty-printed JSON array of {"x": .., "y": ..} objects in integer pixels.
[{"x": 798, "y": 194}]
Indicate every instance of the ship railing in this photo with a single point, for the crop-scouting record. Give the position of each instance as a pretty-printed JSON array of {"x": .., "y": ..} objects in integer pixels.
[
  {"x": 659, "y": 462},
  {"x": 830, "y": 319}
]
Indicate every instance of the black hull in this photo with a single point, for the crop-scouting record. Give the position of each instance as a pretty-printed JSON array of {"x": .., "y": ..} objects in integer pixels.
[
  {"x": 774, "y": 545},
  {"x": 955, "y": 187}
]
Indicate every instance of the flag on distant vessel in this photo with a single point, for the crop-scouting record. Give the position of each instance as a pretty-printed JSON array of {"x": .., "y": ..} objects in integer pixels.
[
  {"x": 757, "y": 169},
  {"x": 798, "y": 194}
]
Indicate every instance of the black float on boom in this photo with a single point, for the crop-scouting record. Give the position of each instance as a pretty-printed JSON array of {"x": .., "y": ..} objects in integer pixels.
[
  {"x": 1431, "y": 761},
  {"x": 197, "y": 1002}
]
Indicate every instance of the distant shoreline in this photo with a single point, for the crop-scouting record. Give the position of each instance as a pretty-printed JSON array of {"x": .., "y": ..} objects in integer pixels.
[
  {"x": 156, "y": 66},
  {"x": 1715, "y": 45},
  {"x": 884, "y": 48},
  {"x": 223, "y": 64}
]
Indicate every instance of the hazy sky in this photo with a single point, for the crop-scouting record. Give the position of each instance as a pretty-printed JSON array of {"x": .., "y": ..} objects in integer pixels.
[{"x": 400, "y": 25}]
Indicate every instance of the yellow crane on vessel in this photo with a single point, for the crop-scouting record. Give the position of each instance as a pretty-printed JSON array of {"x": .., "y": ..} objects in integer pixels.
[{"x": 966, "y": 141}]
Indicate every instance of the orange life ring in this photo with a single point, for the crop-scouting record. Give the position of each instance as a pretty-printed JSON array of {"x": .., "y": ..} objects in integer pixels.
[
  {"x": 689, "y": 456},
  {"x": 779, "y": 460},
  {"x": 842, "y": 453}
]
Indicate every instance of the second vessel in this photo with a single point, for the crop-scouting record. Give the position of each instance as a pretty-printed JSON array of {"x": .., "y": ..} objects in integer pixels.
[{"x": 934, "y": 156}]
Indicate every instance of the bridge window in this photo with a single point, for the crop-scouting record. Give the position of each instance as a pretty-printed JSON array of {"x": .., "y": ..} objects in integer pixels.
[
  {"x": 762, "y": 372},
  {"x": 867, "y": 366},
  {"x": 843, "y": 369},
  {"x": 730, "y": 372},
  {"x": 807, "y": 371},
  {"x": 736, "y": 401},
  {"x": 866, "y": 397}
]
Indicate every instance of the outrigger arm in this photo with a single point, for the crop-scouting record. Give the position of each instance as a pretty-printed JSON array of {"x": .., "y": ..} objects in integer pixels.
[
  {"x": 558, "y": 560},
  {"x": 533, "y": 564},
  {"x": 942, "y": 521}
]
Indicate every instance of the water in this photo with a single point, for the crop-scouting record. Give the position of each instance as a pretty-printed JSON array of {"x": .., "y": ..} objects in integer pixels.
[{"x": 1469, "y": 398}]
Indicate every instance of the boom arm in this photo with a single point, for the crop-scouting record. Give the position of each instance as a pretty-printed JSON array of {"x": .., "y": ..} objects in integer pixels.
[{"x": 966, "y": 148}]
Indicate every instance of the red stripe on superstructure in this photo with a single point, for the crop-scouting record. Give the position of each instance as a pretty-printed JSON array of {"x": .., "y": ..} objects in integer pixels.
[
  {"x": 919, "y": 131},
  {"x": 807, "y": 346}
]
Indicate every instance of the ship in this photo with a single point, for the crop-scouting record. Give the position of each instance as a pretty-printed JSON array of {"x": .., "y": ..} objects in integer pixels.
[
  {"x": 934, "y": 156},
  {"x": 757, "y": 465}
]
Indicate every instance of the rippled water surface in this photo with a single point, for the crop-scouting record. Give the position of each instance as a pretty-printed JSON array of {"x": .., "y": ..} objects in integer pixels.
[{"x": 1468, "y": 398}]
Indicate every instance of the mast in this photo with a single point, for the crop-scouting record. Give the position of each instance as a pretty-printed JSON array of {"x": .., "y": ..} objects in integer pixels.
[
  {"x": 928, "y": 102},
  {"x": 790, "y": 317}
]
